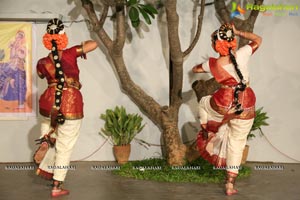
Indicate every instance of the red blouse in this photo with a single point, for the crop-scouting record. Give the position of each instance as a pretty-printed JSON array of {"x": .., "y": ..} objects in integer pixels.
[
  {"x": 222, "y": 99},
  {"x": 72, "y": 102}
]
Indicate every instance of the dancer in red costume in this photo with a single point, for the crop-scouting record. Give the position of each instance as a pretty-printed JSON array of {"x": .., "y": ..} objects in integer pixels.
[
  {"x": 226, "y": 116},
  {"x": 61, "y": 103}
]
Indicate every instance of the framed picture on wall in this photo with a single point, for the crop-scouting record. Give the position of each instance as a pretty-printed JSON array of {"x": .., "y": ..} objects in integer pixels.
[{"x": 16, "y": 58}]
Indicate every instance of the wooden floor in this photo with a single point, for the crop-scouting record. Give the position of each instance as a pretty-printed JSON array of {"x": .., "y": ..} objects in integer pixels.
[{"x": 87, "y": 181}]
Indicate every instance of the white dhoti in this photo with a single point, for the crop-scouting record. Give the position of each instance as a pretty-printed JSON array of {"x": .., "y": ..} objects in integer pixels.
[
  {"x": 226, "y": 141},
  {"x": 57, "y": 159}
]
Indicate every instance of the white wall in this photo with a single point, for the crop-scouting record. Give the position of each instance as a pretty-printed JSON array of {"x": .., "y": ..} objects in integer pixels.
[{"x": 274, "y": 73}]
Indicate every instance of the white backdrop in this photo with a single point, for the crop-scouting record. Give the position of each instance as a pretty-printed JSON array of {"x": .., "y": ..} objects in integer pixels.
[{"x": 274, "y": 77}]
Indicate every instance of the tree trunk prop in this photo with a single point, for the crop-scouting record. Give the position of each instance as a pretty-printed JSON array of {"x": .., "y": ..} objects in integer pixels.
[{"x": 165, "y": 117}]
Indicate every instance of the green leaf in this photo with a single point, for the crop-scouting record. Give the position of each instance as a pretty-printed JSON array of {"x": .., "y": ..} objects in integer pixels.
[
  {"x": 135, "y": 24},
  {"x": 133, "y": 14},
  {"x": 132, "y": 2},
  {"x": 141, "y": 128},
  {"x": 102, "y": 116},
  {"x": 145, "y": 15},
  {"x": 149, "y": 9},
  {"x": 104, "y": 132},
  {"x": 259, "y": 121}
]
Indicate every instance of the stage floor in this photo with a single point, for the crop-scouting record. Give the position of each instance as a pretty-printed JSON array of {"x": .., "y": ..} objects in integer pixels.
[{"x": 89, "y": 181}]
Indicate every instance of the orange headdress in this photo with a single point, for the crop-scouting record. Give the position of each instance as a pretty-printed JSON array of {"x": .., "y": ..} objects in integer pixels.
[
  {"x": 224, "y": 39},
  {"x": 55, "y": 31}
]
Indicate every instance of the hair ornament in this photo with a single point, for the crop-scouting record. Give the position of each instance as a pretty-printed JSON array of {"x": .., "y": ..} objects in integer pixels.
[
  {"x": 55, "y": 26},
  {"x": 225, "y": 32}
]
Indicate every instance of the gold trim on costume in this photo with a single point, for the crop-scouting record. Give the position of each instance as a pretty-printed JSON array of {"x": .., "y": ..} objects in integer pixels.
[
  {"x": 67, "y": 116},
  {"x": 69, "y": 82},
  {"x": 79, "y": 49}
]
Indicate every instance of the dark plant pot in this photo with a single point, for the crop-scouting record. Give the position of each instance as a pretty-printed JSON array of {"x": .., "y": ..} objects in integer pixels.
[
  {"x": 122, "y": 153},
  {"x": 245, "y": 154}
]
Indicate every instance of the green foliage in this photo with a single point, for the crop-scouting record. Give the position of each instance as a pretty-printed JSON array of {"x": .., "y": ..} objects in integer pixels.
[
  {"x": 259, "y": 121},
  {"x": 121, "y": 127},
  {"x": 198, "y": 171},
  {"x": 134, "y": 10}
]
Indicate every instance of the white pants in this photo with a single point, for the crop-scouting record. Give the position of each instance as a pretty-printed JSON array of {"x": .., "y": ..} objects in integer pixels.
[
  {"x": 57, "y": 159},
  {"x": 237, "y": 138}
]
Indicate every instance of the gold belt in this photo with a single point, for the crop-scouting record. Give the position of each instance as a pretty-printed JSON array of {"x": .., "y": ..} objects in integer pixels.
[{"x": 69, "y": 83}]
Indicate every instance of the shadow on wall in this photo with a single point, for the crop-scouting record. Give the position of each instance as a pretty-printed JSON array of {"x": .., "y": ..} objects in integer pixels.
[
  {"x": 34, "y": 133},
  {"x": 190, "y": 129}
]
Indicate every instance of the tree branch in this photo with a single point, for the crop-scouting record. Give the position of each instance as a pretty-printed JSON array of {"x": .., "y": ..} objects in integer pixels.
[
  {"x": 176, "y": 56},
  {"x": 98, "y": 25},
  {"x": 199, "y": 27},
  {"x": 120, "y": 38},
  {"x": 103, "y": 16},
  {"x": 222, "y": 11}
]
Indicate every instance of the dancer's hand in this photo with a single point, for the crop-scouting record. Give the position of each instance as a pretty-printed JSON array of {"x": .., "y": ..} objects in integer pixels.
[
  {"x": 204, "y": 134},
  {"x": 204, "y": 131},
  {"x": 198, "y": 69},
  {"x": 235, "y": 31}
]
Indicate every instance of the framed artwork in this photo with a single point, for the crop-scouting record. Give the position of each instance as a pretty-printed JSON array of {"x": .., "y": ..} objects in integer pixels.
[{"x": 16, "y": 58}]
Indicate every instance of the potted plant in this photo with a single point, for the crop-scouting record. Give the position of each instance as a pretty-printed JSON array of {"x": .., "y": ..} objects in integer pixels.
[
  {"x": 121, "y": 128},
  {"x": 259, "y": 121}
]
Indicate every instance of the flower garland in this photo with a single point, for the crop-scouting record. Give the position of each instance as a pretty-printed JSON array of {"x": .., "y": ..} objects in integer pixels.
[{"x": 61, "y": 40}]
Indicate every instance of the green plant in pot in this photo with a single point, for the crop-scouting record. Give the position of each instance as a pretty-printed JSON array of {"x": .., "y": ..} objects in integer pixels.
[
  {"x": 259, "y": 121},
  {"x": 121, "y": 128}
]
